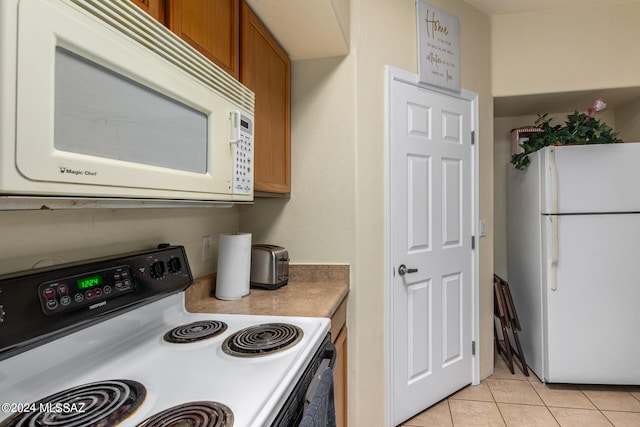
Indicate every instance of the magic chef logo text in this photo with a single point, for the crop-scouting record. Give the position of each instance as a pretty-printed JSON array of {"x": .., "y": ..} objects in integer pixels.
[{"x": 64, "y": 169}]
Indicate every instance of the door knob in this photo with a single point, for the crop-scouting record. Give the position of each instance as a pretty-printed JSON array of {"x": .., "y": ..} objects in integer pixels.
[{"x": 402, "y": 270}]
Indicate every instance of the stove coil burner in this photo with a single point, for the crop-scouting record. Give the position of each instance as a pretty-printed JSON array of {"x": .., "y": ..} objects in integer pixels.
[
  {"x": 261, "y": 340},
  {"x": 193, "y": 414},
  {"x": 103, "y": 403},
  {"x": 195, "y": 331}
]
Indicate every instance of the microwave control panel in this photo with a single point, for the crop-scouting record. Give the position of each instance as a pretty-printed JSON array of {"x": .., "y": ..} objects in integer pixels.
[{"x": 242, "y": 153}]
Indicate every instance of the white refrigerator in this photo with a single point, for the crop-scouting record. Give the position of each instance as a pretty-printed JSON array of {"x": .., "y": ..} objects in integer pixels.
[{"x": 573, "y": 263}]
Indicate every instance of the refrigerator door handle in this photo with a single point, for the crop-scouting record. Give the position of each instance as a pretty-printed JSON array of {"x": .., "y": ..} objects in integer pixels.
[
  {"x": 554, "y": 180},
  {"x": 553, "y": 270}
]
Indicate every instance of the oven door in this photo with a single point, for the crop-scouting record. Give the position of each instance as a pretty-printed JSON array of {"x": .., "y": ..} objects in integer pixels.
[
  {"x": 307, "y": 388},
  {"x": 116, "y": 118}
]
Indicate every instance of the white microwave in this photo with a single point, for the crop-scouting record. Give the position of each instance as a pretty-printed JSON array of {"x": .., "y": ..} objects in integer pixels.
[{"x": 98, "y": 100}]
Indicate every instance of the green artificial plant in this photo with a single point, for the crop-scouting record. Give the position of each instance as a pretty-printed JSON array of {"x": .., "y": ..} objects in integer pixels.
[{"x": 579, "y": 128}]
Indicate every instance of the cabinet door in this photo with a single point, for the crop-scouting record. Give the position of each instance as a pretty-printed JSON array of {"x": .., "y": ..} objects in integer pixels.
[
  {"x": 155, "y": 8},
  {"x": 340, "y": 378},
  {"x": 266, "y": 70},
  {"x": 211, "y": 27}
]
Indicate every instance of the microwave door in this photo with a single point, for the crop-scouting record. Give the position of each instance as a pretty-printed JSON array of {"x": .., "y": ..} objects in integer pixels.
[{"x": 99, "y": 113}]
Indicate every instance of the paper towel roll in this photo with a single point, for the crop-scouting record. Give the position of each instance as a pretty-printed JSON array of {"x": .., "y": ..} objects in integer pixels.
[{"x": 234, "y": 266}]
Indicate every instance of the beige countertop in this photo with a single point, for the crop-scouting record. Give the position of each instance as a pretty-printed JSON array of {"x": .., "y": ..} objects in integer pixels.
[{"x": 312, "y": 291}]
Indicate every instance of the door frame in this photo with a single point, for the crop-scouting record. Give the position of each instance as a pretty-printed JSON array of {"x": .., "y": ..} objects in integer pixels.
[{"x": 395, "y": 74}]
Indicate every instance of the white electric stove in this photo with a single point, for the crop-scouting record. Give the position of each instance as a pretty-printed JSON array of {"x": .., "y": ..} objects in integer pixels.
[{"x": 110, "y": 343}]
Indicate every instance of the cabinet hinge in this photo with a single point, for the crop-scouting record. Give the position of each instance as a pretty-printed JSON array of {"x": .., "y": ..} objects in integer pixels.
[
  {"x": 473, "y": 242},
  {"x": 473, "y": 348},
  {"x": 473, "y": 137}
]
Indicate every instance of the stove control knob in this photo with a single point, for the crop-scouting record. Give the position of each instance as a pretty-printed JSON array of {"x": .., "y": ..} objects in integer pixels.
[
  {"x": 174, "y": 265},
  {"x": 157, "y": 269},
  {"x": 1, "y": 313}
]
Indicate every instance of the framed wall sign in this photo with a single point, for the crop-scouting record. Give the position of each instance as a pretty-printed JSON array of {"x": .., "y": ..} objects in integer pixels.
[{"x": 438, "y": 47}]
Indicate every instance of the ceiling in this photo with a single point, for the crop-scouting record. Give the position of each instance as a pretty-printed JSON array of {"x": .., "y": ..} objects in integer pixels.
[{"x": 503, "y": 7}]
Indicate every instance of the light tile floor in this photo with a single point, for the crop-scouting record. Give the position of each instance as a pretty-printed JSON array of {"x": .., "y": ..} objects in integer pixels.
[{"x": 513, "y": 400}]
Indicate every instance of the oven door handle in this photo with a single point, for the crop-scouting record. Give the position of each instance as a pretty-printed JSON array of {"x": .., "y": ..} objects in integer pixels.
[
  {"x": 328, "y": 362},
  {"x": 330, "y": 353},
  {"x": 313, "y": 386}
]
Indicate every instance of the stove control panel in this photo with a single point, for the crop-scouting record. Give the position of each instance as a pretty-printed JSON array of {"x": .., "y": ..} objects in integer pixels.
[
  {"x": 72, "y": 292},
  {"x": 37, "y": 306}
]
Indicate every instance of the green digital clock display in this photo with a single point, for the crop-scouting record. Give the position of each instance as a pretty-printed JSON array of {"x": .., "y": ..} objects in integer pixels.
[{"x": 89, "y": 282}]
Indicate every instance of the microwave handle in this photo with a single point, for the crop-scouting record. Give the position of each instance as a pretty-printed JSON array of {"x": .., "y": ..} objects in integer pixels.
[{"x": 234, "y": 116}]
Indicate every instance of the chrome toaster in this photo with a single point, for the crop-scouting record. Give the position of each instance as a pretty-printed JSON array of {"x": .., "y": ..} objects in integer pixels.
[{"x": 269, "y": 266}]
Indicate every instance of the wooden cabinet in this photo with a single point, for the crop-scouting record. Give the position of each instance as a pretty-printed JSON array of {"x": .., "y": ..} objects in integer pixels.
[
  {"x": 265, "y": 68},
  {"x": 155, "y": 8},
  {"x": 339, "y": 337},
  {"x": 231, "y": 35},
  {"x": 211, "y": 27}
]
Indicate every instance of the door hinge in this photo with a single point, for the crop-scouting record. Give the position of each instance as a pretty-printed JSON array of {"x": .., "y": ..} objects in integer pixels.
[
  {"x": 473, "y": 242},
  {"x": 473, "y": 137},
  {"x": 473, "y": 348}
]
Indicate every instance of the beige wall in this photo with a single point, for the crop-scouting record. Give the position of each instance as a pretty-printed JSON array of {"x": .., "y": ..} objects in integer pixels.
[
  {"x": 577, "y": 48},
  {"x": 317, "y": 223},
  {"x": 502, "y": 156},
  {"x": 628, "y": 121},
  {"x": 337, "y": 211},
  {"x": 45, "y": 237}
]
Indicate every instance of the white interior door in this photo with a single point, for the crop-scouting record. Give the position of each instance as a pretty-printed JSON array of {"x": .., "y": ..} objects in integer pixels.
[{"x": 431, "y": 210}]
